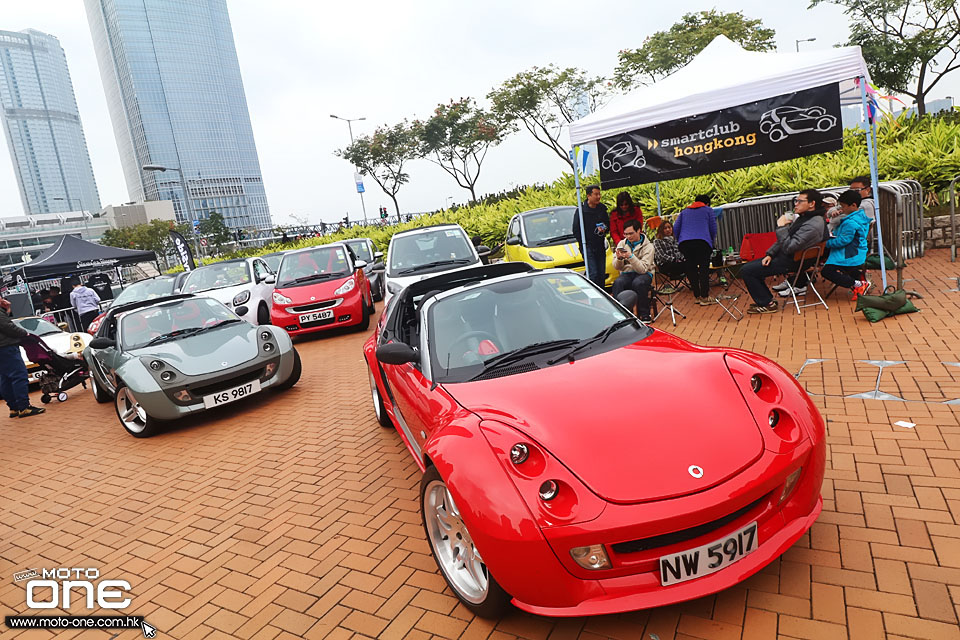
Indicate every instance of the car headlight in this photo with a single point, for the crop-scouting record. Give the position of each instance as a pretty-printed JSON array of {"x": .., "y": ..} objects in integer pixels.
[
  {"x": 241, "y": 298},
  {"x": 279, "y": 298},
  {"x": 540, "y": 257},
  {"x": 394, "y": 287},
  {"x": 346, "y": 287}
]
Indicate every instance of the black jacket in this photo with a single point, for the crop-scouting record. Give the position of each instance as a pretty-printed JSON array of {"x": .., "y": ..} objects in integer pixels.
[
  {"x": 591, "y": 218},
  {"x": 806, "y": 231},
  {"x": 10, "y": 334}
]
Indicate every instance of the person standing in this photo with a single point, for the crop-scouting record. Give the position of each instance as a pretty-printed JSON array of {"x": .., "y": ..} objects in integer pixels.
[
  {"x": 87, "y": 303},
  {"x": 14, "y": 385},
  {"x": 626, "y": 210},
  {"x": 695, "y": 230},
  {"x": 596, "y": 223},
  {"x": 634, "y": 259}
]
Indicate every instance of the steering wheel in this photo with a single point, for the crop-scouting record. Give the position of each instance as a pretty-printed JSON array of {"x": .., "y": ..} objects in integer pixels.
[{"x": 480, "y": 335}]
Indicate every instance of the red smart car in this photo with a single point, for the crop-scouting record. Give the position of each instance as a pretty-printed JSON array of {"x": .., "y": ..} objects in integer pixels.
[
  {"x": 321, "y": 288},
  {"x": 577, "y": 462}
]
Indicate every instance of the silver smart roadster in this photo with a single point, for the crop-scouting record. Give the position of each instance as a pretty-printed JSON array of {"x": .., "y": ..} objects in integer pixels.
[{"x": 166, "y": 358}]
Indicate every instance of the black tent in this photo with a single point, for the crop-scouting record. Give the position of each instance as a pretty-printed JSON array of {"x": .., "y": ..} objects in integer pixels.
[{"x": 71, "y": 255}]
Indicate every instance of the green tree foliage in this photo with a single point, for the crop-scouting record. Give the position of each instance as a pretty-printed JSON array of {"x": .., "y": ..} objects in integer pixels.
[
  {"x": 457, "y": 138},
  {"x": 215, "y": 230},
  {"x": 152, "y": 236},
  {"x": 382, "y": 156},
  {"x": 544, "y": 100},
  {"x": 909, "y": 45},
  {"x": 666, "y": 51}
]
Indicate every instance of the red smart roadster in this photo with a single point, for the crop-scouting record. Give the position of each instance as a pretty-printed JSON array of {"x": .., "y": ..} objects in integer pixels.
[{"x": 576, "y": 461}]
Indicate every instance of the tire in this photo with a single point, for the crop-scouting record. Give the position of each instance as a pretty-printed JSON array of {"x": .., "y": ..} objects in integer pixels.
[
  {"x": 263, "y": 314},
  {"x": 364, "y": 316},
  {"x": 471, "y": 582},
  {"x": 294, "y": 375},
  {"x": 378, "y": 407},
  {"x": 62, "y": 396},
  {"x": 99, "y": 394},
  {"x": 45, "y": 399},
  {"x": 378, "y": 294},
  {"x": 137, "y": 422}
]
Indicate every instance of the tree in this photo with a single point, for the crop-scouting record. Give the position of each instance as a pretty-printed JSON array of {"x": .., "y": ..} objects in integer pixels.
[
  {"x": 382, "y": 156},
  {"x": 666, "y": 51},
  {"x": 152, "y": 236},
  {"x": 215, "y": 230},
  {"x": 546, "y": 99},
  {"x": 457, "y": 138},
  {"x": 905, "y": 42}
]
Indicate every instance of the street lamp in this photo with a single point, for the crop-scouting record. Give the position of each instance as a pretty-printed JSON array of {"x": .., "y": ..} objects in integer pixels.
[
  {"x": 186, "y": 196},
  {"x": 69, "y": 201},
  {"x": 350, "y": 122},
  {"x": 806, "y": 40}
]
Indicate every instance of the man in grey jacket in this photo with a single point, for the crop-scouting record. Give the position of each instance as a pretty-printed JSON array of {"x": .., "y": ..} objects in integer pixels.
[
  {"x": 13, "y": 373},
  {"x": 807, "y": 230}
]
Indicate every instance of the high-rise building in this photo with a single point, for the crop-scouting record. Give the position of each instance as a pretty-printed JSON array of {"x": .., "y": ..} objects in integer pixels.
[
  {"x": 173, "y": 87},
  {"x": 42, "y": 125}
]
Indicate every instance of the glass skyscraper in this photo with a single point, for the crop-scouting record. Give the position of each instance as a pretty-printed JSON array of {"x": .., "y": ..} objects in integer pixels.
[
  {"x": 173, "y": 87},
  {"x": 42, "y": 125}
]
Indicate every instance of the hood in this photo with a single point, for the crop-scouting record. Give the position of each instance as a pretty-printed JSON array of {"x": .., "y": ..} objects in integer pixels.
[
  {"x": 561, "y": 253},
  {"x": 222, "y": 348},
  {"x": 630, "y": 422},
  {"x": 310, "y": 292},
  {"x": 405, "y": 281}
]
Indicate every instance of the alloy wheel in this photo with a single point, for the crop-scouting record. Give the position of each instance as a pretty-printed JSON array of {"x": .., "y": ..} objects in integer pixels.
[
  {"x": 132, "y": 415},
  {"x": 453, "y": 546}
]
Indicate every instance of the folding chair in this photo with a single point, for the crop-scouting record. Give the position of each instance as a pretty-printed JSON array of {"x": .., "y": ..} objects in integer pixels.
[
  {"x": 808, "y": 263},
  {"x": 660, "y": 281}
]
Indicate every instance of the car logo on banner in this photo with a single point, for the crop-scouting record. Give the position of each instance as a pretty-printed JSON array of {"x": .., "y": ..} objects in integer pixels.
[
  {"x": 623, "y": 155},
  {"x": 782, "y": 122}
]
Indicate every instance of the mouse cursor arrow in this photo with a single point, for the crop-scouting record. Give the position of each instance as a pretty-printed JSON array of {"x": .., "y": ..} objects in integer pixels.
[{"x": 149, "y": 631}]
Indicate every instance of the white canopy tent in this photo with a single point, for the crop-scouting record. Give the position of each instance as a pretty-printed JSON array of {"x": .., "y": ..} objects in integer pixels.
[{"x": 725, "y": 75}]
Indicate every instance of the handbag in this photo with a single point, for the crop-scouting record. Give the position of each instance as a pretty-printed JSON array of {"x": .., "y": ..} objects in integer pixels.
[{"x": 891, "y": 302}]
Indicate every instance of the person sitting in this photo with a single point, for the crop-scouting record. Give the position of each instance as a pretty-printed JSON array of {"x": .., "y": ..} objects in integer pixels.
[
  {"x": 666, "y": 253},
  {"x": 848, "y": 246},
  {"x": 634, "y": 260},
  {"x": 807, "y": 230},
  {"x": 625, "y": 210}
]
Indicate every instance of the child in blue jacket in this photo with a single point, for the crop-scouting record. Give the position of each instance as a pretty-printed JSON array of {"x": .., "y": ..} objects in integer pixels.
[{"x": 848, "y": 246}]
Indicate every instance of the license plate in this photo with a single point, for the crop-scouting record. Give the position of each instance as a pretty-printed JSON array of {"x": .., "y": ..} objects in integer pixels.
[
  {"x": 316, "y": 315},
  {"x": 230, "y": 395},
  {"x": 710, "y": 558}
]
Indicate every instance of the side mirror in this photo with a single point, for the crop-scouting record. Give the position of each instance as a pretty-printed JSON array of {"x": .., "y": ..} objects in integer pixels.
[
  {"x": 102, "y": 343},
  {"x": 241, "y": 311},
  {"x": 270, "y": 280},
  {"x": 379, "y": 266},
  {"x": 483, "y": 251},
  {"x": 628, "y": 299},
  {"x": 397, "y": 353},
  {"x": 515, "y": 240},
  {"x": 360, "y": 264},
  {"x": 377, "y": 255}
]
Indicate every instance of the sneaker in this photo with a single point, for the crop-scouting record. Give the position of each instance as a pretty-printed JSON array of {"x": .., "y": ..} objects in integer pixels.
[
  {"x": 706, "y": 302},
  {"x": 862, "y": 289},
  {"x": 31, "y": 411},
  {"x": 14, "y": 414},
  {"x": 668, "y": 289},
  {"x": 770, "y": 308},
  {"x": 646, "y": 318},
  {"x": 798, "y": 291},
  {"x": 783, "y": 286}
]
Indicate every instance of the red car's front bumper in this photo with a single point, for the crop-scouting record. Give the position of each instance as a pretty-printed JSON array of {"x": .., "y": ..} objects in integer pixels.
[{"x": 346, "y": 313}]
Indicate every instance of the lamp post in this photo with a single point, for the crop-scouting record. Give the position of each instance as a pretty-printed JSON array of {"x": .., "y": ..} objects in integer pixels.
[
  {"x": 350, "y": 122},
  {"x": 186, "y": 196},
  {"x": 69, "y": 202},
  {"x": 797, "y": 42}
]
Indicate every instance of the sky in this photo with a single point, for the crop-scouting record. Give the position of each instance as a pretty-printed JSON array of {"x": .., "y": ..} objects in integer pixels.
[{"x": 302, "y": 60}]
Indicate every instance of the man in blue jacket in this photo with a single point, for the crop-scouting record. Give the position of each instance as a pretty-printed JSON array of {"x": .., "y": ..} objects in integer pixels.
[
  {"x": 848, "y": 246},
  {"x": 596, "y": 223}
]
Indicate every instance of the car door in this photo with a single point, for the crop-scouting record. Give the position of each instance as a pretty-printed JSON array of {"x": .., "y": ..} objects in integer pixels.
[
  {"x": 263, "y": 291},
  {"x": 513, "y": 252},
  {"x": 108, "y": 360}
]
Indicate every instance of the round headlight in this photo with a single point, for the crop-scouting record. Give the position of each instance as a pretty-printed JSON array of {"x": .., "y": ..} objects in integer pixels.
[
  {"x": 756, "y": 383},
  {"x": 264, "y": 335},
  {"x": 156, "y": 365},
  {"x": 548, "y": 490},
  {"x": 774, "y": 418},
  {"x": 268, "y": 346},
  {"x": 166, "y": 376},
  {"x": 519, "y": 453}
]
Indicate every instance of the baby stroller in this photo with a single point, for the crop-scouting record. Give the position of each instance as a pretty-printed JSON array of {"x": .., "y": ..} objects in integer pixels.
[{"x": 57, "y": 373}]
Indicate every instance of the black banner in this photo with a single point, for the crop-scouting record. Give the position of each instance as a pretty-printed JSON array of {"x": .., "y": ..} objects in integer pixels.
[
  {"x": 182, "y": 250},
  {"x": 780, "y": 128}
]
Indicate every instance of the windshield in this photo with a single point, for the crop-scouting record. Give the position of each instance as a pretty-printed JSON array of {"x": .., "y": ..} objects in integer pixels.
[
  {"x": 409, "y": 253},
  {"x": 362, "y": 249},
  {"x": 217, "y": 276},
  {"x": 468, "y": 329},
  {"x": 138, "y": 328},
  {"x": 313, "y": 265},
  {"x": 549, "y": 227},
  {"x": 273, "y": 261},
  {"x": 146, "y": 290},
  {"x": 37, "y": 326}
]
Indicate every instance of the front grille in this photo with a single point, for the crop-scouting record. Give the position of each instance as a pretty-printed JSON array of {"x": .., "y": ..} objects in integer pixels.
[
  {"x": 222, "y": 385},
  {"x": 314, "y": 306},
  {"x": 667, "y": 539},
  {"x": 508, "y": 371},
  {"x": 318, "y": 323}
]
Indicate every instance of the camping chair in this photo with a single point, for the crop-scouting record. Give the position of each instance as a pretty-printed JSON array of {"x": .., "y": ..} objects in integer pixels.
[
  {"x": 661, "y": 281},
  {"x": 808, "y": 262}
]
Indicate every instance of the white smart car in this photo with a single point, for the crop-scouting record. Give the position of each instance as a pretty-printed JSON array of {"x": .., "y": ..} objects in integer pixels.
[{"x": 244, "y": 282}]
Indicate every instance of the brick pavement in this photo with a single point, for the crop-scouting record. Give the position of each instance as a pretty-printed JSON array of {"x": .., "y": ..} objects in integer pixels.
[{"x": 295, "y": 515}]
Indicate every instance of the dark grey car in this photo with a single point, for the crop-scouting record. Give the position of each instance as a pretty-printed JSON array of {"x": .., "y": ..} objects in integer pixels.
[{"x": 364, "y": 249}]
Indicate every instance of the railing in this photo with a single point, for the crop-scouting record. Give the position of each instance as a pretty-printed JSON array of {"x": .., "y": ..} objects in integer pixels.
[{"x": 953, "y": 220}]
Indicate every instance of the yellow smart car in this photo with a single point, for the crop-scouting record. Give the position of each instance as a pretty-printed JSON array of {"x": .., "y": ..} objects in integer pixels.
[{"x": 543, "y": 238}]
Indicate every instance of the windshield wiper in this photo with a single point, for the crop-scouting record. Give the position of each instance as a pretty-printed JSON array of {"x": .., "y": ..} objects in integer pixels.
[
  {"x": 313, "y": 276},
  {"x": 167, "y": 336},
  {"x": 438, "y": 263},
  {"x": 524, "y": 352},
  {"x": 565, "y": 236},
  {"x": 602, "y": 337},
  {"x": 213, "y": 326}
]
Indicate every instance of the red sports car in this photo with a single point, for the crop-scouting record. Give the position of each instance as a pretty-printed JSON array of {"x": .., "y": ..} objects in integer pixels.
[
  {"x": 321, "y": 288},
  {"x": 577, "y": 461}
]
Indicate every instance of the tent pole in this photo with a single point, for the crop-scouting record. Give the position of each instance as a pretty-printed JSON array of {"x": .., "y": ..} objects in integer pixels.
[
  {"x": 659, "y": 211},
  {"x": 872, "y": 157},
  {"x": 583, "y": 234}
]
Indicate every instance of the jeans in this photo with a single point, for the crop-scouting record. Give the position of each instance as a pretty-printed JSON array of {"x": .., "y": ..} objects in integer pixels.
[
  {"x": 640, "y": 284},
  {"x": 698, "y": 253},
  {"x": 754, "y": 276},
  {"x": 596, "y": 261},
  {"x": 842, "y": 276},
  {"x": 87, "y": 318},
  {"x": 13, "y": 378}
]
